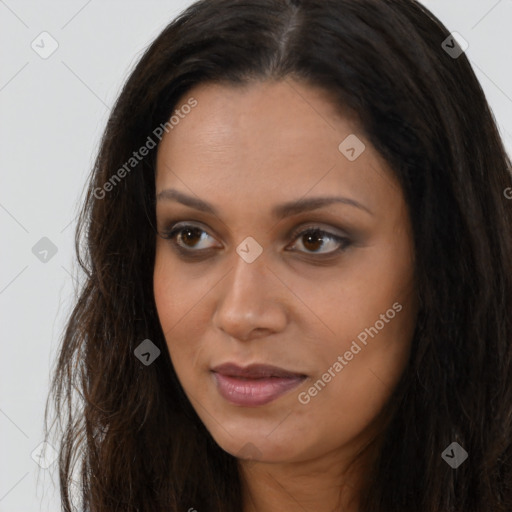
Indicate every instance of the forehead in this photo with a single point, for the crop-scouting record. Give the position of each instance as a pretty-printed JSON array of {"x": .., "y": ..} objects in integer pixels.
[{"x": 263, "y": 141}]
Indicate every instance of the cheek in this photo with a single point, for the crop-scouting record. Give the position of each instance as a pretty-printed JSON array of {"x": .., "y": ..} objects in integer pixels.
[
  {"x": 172, "y": 300},
  {"x": 181, "y": 302},
  {"x": 349, "y": 394},
  {"x": 177, "y": 292},
  {"x": 371, "y": 314},
  {"x": 356, "y": 300}
]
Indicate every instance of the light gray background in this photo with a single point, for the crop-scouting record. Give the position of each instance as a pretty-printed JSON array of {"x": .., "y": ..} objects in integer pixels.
[{"x": 53, "y": 112}]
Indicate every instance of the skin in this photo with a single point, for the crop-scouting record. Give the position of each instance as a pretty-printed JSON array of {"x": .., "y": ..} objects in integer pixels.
[{"x": 245, "y": 150}]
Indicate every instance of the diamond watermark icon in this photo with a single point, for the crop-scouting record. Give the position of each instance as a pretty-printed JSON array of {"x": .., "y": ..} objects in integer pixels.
[
  {"x": 352, "y": 147},
  {"x": 454, "y": 455},
  {"x": 249, "y": 249},
  {"x": 44, "y": 45},
  {"x": 44, "y": 250},
  {"x": 147, "y": 352},
  {"x": 454, "y": 45},
  {"x": 44, "y": 455},
  {"x": 249, "y": 452}
]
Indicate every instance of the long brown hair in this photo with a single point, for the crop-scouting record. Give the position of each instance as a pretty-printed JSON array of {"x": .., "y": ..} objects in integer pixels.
[{"x": 128, "y": 436}]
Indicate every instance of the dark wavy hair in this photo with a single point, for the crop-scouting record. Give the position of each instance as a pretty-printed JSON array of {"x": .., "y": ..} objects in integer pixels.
[{"x": 129, "y": 439}]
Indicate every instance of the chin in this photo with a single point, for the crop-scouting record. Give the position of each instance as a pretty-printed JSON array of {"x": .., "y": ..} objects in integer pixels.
[{"x": 253, "y": 444}]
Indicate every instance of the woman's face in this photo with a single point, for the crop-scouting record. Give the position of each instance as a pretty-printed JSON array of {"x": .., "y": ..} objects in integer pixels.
[{"x": 249, "y": 174}]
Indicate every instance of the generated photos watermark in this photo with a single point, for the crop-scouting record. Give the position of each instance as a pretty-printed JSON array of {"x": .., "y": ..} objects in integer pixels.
[
  {"x": 143, "y": 151},
  {"x": 305, "y": 397}
]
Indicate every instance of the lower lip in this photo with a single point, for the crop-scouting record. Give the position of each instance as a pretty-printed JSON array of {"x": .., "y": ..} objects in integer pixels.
[{"x": 254, "y": 392}]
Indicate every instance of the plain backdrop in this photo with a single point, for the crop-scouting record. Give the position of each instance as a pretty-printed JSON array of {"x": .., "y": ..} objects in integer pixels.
[{"x": 53, "y": 111}]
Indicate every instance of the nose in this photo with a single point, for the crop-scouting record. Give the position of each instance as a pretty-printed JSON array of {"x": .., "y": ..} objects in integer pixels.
[{"x": 252, "y": 301}]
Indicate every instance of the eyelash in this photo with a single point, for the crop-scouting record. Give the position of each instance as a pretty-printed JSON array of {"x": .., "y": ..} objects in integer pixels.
[{"x": 195, "y": 254}]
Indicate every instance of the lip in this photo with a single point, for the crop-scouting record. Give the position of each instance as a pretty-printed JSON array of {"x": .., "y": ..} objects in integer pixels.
[{"x": 254, "y": 385}]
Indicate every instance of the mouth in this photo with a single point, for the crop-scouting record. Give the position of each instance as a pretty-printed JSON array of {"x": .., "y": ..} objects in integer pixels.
[{"x": 255, "y": 384}]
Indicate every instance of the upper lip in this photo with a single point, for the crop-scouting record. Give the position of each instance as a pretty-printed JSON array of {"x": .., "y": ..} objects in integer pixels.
[{"x": 254, "y": 371}]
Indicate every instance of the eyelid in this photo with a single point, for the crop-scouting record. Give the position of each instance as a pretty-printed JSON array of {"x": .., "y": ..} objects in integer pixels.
[
  {"x": 316, "y": 226},
  {"x": 174, "y": 224}
]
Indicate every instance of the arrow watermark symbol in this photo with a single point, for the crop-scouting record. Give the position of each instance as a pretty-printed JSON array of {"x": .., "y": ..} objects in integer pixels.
[
  {"x": 146, "y": 352},
  {"x": 454, "y": 45},
  {"x": 44, "y": 250},
  {"x": 454, "y": 455},
  {"x": 352, "y": 147},
  {"x": 249, "y": 249},
  {"x": 44, "y": 45}
]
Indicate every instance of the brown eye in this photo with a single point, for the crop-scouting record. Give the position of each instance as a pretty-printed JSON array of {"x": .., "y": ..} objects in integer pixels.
[
  {"x": 314, "y": 239},
  {"x": 187, "y": 237}
]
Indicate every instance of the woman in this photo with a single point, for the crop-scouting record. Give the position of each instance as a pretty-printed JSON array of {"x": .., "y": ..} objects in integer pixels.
[{"x": 298, "y": 259}]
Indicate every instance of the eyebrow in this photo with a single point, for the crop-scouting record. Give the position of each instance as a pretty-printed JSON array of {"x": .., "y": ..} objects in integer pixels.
[{"x": 279, "y": 212}]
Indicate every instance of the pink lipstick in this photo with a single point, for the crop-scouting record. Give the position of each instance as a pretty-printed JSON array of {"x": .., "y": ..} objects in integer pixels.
[{"x": 256, "y": 384}]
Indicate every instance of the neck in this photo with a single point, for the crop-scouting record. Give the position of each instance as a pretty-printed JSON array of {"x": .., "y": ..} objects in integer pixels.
[{"x": 326, "y": 484}]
